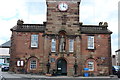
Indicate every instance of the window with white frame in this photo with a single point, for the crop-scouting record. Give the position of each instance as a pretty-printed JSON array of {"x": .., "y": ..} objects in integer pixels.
[
  {"x": 34, "y": 40},
  {"x": 53, "y": 45},
  {"x": 71, "y": 45},
  {"x": 33, "y": 64},
  {"x": 91, "y": 65},
  {"x": 90, "y": 42}
]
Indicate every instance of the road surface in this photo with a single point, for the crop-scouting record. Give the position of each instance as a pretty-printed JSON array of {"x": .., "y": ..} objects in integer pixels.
[{"x": 12, "y": 76}]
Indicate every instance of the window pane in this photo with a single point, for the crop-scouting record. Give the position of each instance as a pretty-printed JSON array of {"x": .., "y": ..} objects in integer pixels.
[
  {"x": 90, "y": 42},
  {"x": 34, "y": 40},
  {"x": 33, "y": 64},
  {"x": 71, "y": 45},
  {"x": 53, "y": 45},
  {"x": 91, "y": 66}
]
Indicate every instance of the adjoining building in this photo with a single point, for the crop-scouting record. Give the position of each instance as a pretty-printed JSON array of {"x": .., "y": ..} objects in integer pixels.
[
  {"x": 6, "y": 44},
  {"x": 114, "y": 60},
  {"x": 117, "y": 57},
  {"x": 5, "y": 56},
  {"x": 62, "y": 44}
]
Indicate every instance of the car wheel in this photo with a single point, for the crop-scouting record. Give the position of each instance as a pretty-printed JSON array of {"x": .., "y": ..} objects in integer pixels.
[
  {"x": 118, "y": 76},
  {"x": 2, "y": 69}
]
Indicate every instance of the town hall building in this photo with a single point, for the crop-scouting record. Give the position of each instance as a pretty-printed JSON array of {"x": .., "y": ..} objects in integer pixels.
[{"x": 62, "y": 45}]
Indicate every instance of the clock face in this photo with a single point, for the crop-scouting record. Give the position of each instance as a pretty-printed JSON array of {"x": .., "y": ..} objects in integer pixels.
[{"x": 63, "y": 6}]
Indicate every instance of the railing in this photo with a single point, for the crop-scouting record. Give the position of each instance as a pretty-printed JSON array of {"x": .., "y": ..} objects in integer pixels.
[
  {"x": 26, "y": 27},
  {"x": 87, "y": 28}
]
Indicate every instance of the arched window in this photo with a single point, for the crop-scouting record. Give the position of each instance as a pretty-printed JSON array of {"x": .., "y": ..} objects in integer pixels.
[
  {"x": 91, "y": 64},
  {"x": 71, "y": 45},
  {"x": 33, "y": 64},
  {"x": 53, "y": 45}
]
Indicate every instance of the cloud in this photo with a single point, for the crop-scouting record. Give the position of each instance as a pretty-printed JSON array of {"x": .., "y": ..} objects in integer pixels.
[
  {"x": 114, "y": 42},
  {"x": 34, "y": 11},
  {"x": 8, "y": 9},
  {"x": 31, "y": 11},
  {"x": 95, "y": 11}
]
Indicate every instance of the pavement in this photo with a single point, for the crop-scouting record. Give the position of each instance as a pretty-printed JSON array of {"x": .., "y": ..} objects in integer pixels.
[
  {"x": 43, "y": 76},
  {"x": 14, "y": 76}
]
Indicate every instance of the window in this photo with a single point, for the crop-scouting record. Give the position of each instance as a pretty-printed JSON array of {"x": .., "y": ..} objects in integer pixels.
[
  {"x": 20, "y": 63},
  {"x": 53, "y": 45},
  {"x": 71, "y": 45},
  {"x": 34, "y": 40},
  {"x": 90, "y": 42},
  {"x": 91, "y": 65},
  {"x": 52, "y": 60},
  {"x": 33, "y": 64}
]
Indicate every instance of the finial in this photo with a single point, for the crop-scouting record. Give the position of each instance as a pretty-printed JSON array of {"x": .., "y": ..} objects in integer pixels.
[{"x": 20, "y": 22}]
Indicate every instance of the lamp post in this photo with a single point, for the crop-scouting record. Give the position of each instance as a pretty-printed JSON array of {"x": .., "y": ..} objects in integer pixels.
[
  {"x": 75, "y": 67},
  {"x": 48, "y": 67}
]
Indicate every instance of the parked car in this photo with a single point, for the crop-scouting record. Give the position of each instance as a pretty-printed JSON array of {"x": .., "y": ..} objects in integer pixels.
[
  {"x": 118, "y": 73},
  {"x": 5, "y": 67},
  {"x": 115, "y": 69},
  {"x": 1, "y": 64}
]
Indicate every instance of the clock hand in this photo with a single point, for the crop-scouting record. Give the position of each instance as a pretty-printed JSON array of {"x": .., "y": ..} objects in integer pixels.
[{"x": 64, "y": 6}]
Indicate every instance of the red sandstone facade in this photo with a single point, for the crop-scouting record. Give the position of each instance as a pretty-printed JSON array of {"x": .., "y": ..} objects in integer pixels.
[{"x": 62, "y": 45}]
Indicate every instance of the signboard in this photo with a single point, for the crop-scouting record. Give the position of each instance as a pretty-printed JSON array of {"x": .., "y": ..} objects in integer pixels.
[{"x": 59, "y": 68}]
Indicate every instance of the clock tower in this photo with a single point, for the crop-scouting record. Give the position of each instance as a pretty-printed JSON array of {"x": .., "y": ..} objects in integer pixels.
[{"x": 62, "y": 15}]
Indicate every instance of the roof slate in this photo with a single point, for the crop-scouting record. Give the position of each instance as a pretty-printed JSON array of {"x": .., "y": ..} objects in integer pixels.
[{"x": 84, "y": 29}]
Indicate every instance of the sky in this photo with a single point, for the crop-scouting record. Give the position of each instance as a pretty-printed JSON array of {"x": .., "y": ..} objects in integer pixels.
[{"x": 34, "y": 12}]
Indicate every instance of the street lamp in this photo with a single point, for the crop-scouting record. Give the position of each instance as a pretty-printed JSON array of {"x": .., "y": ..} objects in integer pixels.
[
  {"x": 48, "y": 67},
  {"x": 75, "y": 67}
]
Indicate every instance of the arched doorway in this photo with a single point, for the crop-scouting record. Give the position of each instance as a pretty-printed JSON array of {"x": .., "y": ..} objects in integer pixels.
[{"x": 62, "y": 67}]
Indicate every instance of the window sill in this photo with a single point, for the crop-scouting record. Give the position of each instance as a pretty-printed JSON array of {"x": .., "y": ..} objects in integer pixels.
[
  {"x": 33, "y": 69},
  {"x": 91, "y": 70},
  {"x": 90, "y": 49},
  {"x": 53, "y": 52},
  {"x": 34, "y": 47},
  {"x": 70, "y": 52}
]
